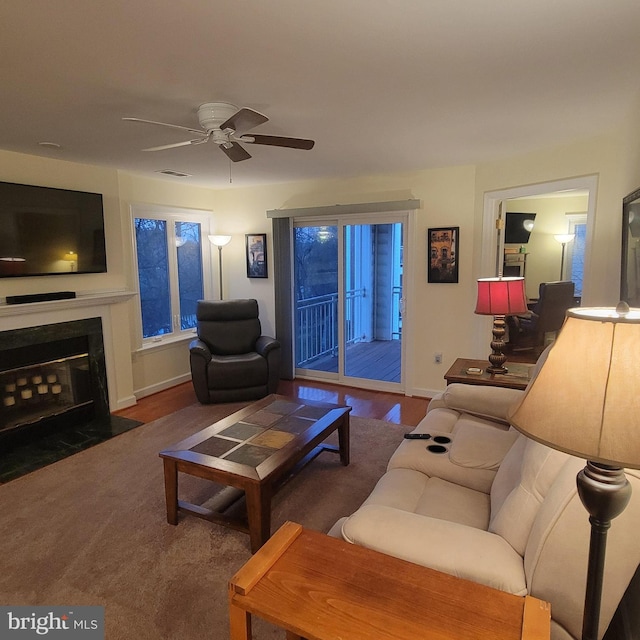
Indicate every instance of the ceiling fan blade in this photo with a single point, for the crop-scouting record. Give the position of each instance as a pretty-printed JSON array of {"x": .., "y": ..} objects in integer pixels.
[
  {"x": 164, "y": 124},
  {"x": 279, "y": 141},
  {"x": 177, "y": 144},
  {"x": 235, "y": 152},
  {"x": 243, "y": 120}
]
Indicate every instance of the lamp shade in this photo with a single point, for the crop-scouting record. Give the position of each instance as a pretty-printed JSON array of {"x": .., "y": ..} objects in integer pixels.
[
  {"x": 563, "y": 238},
  {"x": 584, "y": 399},
  {"x": 501, "y": 296},
  {"x": 220, "y": 241}
]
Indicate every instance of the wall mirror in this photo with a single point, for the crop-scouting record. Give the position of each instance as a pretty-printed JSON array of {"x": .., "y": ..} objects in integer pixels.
[{"x": 630, "y": 267}]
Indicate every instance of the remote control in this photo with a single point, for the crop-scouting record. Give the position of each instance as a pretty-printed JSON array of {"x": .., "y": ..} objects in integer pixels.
[{"x": 417, "y": 436}]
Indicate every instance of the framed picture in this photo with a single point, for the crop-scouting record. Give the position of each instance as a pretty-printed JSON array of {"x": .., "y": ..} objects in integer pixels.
[
  {"x": 256, "y": 255},
  {"x": 630, "y": 268},
  {"x": 442, "y": 245}
]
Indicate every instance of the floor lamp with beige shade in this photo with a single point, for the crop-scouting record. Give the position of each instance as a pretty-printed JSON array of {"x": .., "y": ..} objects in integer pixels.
[{"x": 583, "y": 401}]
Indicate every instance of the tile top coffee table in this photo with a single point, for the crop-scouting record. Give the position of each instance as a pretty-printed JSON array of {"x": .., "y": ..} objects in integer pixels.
[{"x": 254, "y": 450}]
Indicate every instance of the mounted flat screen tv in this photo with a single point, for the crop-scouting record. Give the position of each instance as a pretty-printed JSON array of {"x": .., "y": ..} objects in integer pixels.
[
  {"x": 518, "y": 227},
  {"x": 46, "y": 231}
]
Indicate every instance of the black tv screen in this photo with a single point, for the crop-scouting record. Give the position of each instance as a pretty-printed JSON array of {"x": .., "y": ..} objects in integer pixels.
[
  {"x": 518, "y": 227},
  {"x": 46, "y": 231}
]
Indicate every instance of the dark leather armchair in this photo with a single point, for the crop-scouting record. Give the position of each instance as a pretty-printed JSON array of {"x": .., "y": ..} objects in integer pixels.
[
  {"x": 231, "y": 361},
  {"x": 547, "y": 316}
]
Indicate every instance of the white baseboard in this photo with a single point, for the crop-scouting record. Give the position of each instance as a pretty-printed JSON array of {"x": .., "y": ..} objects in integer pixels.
[
  {"x": 124, "y": 403},
  {"x": 425, "y": 393},
  {"x": 161, "y": 386}
]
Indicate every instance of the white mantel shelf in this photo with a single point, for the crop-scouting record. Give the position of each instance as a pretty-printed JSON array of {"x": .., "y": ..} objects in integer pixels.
[{"x": 85, "y": 300}]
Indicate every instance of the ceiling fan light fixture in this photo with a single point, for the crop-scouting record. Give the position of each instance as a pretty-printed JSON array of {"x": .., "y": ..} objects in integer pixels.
[{"x": 212, "y": 114}]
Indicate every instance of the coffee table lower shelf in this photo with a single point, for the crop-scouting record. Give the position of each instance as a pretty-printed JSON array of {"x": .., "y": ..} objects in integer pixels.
[
  {"x": 216, "y": 509},
  {"x": 316, "y": 586}
]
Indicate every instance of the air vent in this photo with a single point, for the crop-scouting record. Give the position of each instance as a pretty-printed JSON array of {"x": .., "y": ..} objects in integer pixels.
[{"x": 175, "y": 174}]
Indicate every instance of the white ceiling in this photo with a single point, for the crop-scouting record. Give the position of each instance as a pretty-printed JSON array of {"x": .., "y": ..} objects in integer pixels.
[{"x": 382, "y": 86}]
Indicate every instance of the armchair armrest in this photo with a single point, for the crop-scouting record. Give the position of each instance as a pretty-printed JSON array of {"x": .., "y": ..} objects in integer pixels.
[
  {"x": 456, "y": 549},
  {"x": 199, "y": 348},
  {"x": 266, "y": 344},
  {"x": 199, "y": 359}
]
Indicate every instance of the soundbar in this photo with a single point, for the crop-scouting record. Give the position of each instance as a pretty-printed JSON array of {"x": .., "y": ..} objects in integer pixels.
[{"x": 41, "y": 297}]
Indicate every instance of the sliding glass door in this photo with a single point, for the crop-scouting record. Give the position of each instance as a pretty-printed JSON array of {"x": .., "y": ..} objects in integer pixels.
[
  {"x": 316, "y": 285},
  {"x": 348, "y": 279}
]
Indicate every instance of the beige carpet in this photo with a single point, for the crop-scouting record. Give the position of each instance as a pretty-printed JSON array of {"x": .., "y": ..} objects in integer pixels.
[{"x": 91, "y": 529}]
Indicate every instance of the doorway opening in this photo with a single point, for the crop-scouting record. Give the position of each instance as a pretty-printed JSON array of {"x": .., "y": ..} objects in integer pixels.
[{"x": 560, "y": 216}]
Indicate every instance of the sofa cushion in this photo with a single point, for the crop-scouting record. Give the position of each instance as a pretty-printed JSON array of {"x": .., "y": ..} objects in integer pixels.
[
  {"x": 465, "y": 552},
  {"x": 513, "y": 517},
  {"x": 479, "y": 447},
  {"x": 412, "y": 491},
  {"x": 508, "y": 476},
  {"x": 414, "y": 455},
  {"x": 237, "y": 372}
]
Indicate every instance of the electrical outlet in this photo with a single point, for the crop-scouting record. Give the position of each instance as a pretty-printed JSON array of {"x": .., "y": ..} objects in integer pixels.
[{"x": 437, "y": 358}]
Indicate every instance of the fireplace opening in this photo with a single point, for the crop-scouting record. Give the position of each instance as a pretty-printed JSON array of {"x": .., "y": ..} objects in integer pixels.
[
  {"x": 53, "y": 394},
  {"x": 44, "y": 391}
]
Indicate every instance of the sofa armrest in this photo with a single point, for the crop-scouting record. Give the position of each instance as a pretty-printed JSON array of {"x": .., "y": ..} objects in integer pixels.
[
  {"x": 456, "y": 549},
  {"x": 484, "y": 401}
]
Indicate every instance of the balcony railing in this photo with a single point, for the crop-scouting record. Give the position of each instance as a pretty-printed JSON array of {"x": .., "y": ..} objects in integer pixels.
[{"x": 317, "y": 325}]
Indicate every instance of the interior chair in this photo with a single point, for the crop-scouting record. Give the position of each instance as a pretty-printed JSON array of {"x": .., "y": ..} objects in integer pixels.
[
  {"x": 547, "y": 315},
  {"x": 231, "y": 361}
]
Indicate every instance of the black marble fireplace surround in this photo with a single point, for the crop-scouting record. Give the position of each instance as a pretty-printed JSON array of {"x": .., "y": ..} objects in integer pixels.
[{"x": 55, "y": 399}]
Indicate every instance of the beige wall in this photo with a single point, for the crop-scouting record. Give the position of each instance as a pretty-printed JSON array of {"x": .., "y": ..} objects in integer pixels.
[
  {"x": 440, "y": 316},
  {"x": 447, "y": 197},
  {"x": 599, "y": 156}
]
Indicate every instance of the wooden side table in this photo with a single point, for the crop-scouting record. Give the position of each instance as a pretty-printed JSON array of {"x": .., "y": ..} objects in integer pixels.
[
  {"x": 517, "y": 377},
  {"x": 318, "y": 587}
]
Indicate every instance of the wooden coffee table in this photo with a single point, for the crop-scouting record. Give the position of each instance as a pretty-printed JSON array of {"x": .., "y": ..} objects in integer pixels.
[{"x": 253, "y": 450}]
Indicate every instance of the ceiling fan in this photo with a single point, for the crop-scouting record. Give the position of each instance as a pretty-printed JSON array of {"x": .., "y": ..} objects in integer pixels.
[{"x": 225, "y": 125}]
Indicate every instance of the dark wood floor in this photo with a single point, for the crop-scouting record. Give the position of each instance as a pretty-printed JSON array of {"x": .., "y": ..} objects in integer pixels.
[
  {"x": 391, "y": 407},
  {"x": 376, "y": 360}
]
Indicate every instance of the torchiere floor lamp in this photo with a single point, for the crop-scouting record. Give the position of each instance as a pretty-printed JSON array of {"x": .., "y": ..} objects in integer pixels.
[{"x": 220, "y": 241}]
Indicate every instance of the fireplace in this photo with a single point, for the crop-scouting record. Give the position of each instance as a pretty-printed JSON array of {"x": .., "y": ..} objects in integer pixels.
[{"x": 51, "y": 377}]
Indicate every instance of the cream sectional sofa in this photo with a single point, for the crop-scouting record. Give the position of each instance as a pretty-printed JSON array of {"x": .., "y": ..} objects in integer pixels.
[{"x": 496, "y": 508}]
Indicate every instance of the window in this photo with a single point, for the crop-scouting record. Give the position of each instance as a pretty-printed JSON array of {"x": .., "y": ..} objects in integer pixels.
[
  {"x": 171, "y": 278},
  {"x": 576, "y": 249}
]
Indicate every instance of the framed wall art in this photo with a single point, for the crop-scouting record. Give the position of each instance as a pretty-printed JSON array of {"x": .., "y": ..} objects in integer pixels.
[
  {"x": 630, "y": 268},
  {"x": 442, "y": 247},
  {"x": 256, "y": 244}
]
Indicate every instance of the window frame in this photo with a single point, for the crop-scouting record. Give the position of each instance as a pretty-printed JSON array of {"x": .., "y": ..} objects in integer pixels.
[
  {"x": 171, "y": 215},
  {"x": 575, "y": 219}
]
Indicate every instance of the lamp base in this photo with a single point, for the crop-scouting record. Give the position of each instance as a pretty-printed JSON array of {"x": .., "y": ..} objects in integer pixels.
[
  {"x": 492, "y": 369},
  {"x": 497, "y": 358},
  {"x": 605, "y": 492}
]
